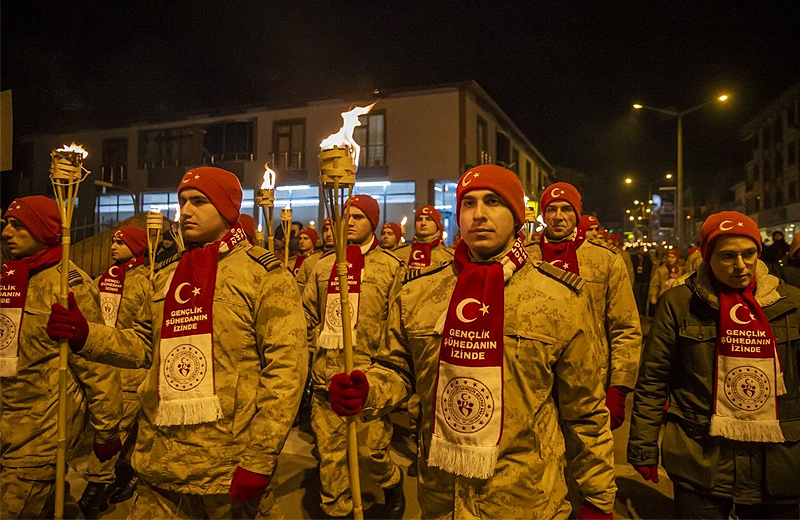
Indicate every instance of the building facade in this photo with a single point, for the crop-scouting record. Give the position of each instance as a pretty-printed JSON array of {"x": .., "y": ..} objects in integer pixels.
[
  {"x": 415, "y": 145},
  {"x": 772, "y": 192}
]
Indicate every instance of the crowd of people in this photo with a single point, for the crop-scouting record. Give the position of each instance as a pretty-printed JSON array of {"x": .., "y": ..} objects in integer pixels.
[{"x": 514, "y": 356}]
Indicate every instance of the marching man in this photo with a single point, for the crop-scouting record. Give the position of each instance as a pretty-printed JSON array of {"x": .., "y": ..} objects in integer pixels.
[
  {"x": 427, "y": 248},
  {"x": 307, "y": 267},
  {"x": 224, "y": 341},
  {"x": 391, "y": 234},
  {"x": 371, "y": 273},
  {"x": 123, "y": 291},
  {"x": 608, "y": 290},
  {"x": 495, "y": 345},
  {"x": 29, "y": 365},
  {"x": 306, "y": 244}
]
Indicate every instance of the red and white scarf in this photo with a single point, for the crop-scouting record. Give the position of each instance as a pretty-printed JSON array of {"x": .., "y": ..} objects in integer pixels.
[
  {"x": 330, "y": 337},
  {"x": 187, "y": 392},
  {"x": 468, "y": 408},
  {"x": 421, "y": 253},
  {"x": 298, "y": 262},
  {"x": 562, "y": 254},
  {"x": 748, "y": 371},
  {"x": 13, "y": 291},
  {"x": 110, "y": 285}
]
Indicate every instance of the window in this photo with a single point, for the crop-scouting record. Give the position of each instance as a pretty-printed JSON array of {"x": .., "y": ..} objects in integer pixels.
[
  {"x": 779, "y": 197},
  {"x": 514, "y": 166},
  {"x": 111, "y": 209},
  {"x": 766, "y": 137},
  {"x": 791, "y": 119},
  {"x": 371, "y": 136},
  {"x": 483, "y": 142},
  {"x": 445, "y": 202},
  {"x": 169, "y": 147},
  {"x": 791, "y": 153},
  {"x": 503, "y": 149},
  {"x": 777, "y": 163},
  {"x": 115, "y": 160},
  {"x": 528, "y": 176},
  {"x": 758, "y": 171},
  {"x": 289, "y": 145},
  {"x": 793, "y": 191},
  {"x": 777, "y": 126},
  {"x": 231, "y": 141}
]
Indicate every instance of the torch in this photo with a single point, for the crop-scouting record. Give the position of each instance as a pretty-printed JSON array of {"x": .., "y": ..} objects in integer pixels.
[
  {"x": 530, "y": 220},
  {"x": 338, "y": 162},
  {"x": 259, "y": 236},
  {"x": 286, "y": 226},
  {"x": 403, "y": 223},
  {"x": 177, "y": 234},
  {"x": 66, "y": 174},
  {"x": 265, "y": 198},
  {"x": 155, "y": 226}
]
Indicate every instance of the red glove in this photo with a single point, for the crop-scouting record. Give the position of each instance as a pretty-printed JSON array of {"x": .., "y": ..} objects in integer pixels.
[
  {"x": 106, "y": 451},
  {"x": 648, "y": 472},
  {"x": 615, "y": 402},
  {"x": 348, "y": 393},
  {"x": 589, "y": 512},
  {"x": 68, "y": 324},
  {"x": 247, "y": 485}
]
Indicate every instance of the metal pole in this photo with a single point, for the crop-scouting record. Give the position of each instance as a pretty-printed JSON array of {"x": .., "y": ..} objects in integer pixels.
[{"x": 679, "y": 195}]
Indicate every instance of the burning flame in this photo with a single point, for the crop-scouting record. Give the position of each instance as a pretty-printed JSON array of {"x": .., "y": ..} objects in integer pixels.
[
  {"x": 312, "y": 224},
  {"x": 404, "y": 221},
  {"x": 177, "y": 215},
  {"x": 269, "y": 179},
  {"x": 77, "y": 148},
  {"x": 344, "y": 137},
  {"x": 288, "y": 206},
  {"x": 259, "y": 227}
]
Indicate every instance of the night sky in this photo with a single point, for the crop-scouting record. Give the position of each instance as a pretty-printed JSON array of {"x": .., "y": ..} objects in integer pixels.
[{"x": 566, "y": 72}]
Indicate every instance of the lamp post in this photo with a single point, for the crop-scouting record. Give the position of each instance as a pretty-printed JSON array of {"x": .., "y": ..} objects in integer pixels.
[{"x": 679, "y": 182}]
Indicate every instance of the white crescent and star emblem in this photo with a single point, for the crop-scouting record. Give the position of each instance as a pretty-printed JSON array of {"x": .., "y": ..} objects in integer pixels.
[
  {"x": 722, "y": 225},
  {"x": 426, "y": 210},
  {"x": 556, "y": 192},
  {"x": 177, "y": 295},
  {"x": 466, "y": 301},
  {"x": 737, "y": 320},
  {"x": 414, "y": 255},
  {"x": 111, "y": 270},
  {"x": 466, "y": 182}
]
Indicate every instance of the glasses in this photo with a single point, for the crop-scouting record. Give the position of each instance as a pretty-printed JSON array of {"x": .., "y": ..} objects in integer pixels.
[{"x": 730, "y": 257}]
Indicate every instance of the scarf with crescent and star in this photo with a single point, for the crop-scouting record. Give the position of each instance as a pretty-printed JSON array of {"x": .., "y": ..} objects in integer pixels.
[
  {"x": 330, "y": 337},
  {"x": 13, "y": 291},
  {"x": 187, "y": 392},
  {"x": 421, "y": 253},
  {"x": 748, "y": 370},
  {"x": 563, "y": 254},
  {"x": 110, "y": 285},
  {"x": 468, "y": 407}
]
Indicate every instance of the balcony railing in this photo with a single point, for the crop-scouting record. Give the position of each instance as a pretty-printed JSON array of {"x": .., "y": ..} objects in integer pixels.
[
  {"x": 114, "y": 174},
  {"x": 287, "y": 161}
]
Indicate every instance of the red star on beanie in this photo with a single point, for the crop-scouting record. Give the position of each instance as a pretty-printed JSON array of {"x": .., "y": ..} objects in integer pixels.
[
  {"x": 220, "y": 186},
  {"x": 726, "y": 223},
  {"x": 369, "y": 206},
  {"x": 561, "y": 191},
  {"x": 497, "y": 179},
  {"x": 134, "y": 237},
  {"x": 431, "y": 212},
  {"x": 396, "y": 229},
  {"x": 310, "y": 233},
  {"x": 40, "y": 216}
]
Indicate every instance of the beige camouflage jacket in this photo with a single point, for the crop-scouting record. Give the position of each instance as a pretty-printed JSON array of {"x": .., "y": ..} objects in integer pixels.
[
  {"x": 439, "y": 254},
  {"x": 260, "y": 367},
  {"x": 613, "y": 307},
  {"x": 551, "y": 390},
  {"x": 306, "y": 269},
  {"x": 380, "y": 270},
  {"x": 30, "y": 399}
]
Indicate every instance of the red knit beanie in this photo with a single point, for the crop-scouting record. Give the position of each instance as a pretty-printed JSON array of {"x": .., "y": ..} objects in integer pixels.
[
  {"x": 40, "y": 216},
  {"x": 326, "y": 223},
  {"x": 220, "y": 186},
  {"x": 561, "y": 191},
  {"x": 310, "y": 233},
  {"x": 369, "y": 206},
  {"x": 431, "y": 212},
  {"x": 726, "y": 223},
  {"x": 134, "y": 237},
  {"x": 497, "y": 179},
  {"x": 691, "y": 250},
  {"x": 674, "y": 252},
  {"x": 588, "y": 221},
  {"x": 396, "y": 229}
]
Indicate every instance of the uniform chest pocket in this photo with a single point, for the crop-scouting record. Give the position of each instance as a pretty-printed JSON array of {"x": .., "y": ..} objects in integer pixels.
[
  {"x": 696, "y": 345},
  {"x": 535, "y": 352}
]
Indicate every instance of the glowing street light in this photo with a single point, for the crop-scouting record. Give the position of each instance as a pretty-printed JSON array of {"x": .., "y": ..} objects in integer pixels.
[{"x": 628, "y": 180}]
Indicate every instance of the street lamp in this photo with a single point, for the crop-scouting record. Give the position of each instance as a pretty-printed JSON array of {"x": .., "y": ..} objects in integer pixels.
[{"x": 679, "y": 183}]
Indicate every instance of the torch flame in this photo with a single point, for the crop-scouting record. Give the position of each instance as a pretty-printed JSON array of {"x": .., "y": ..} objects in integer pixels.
[
  {"x": 177, "y": 215},
  {"x": 77, "y": 148},
  {"x": 404, "y": 221},
  {"x": 288, "y": 206},
  {"x": 344, "y": 137},
  {"x": 259, "y": 227},
  {"x": 269, "y": 179}
]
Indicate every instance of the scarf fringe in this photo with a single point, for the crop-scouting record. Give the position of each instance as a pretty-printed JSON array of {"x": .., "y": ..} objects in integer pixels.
[
  {"x": 332, "y": 340},
  {"x": 188, "y": 411},
  {"x": 8, "y": 366},
  {"x": 465, "y": 460},
  {"x": 748, "y": 431}
]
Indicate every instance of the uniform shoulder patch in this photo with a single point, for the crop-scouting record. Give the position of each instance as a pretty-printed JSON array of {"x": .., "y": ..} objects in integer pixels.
[
  {"x": 425, "y": 271},
  {"x": 74, "y": 278},
  {"x": 392, "y": 255},
  {"x": 598, "y": 243},
  {"x": 399, "y": 248},
  {"x": 264, "y": 257},
  {"x": 164, "y": 263},
  {"x": 569, "y": 279}
]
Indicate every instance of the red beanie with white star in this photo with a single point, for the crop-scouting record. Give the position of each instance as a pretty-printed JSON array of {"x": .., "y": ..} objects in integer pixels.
[
  {"x": 221, "y": 187},
  {"x": 726, "y": 223},
  {"x": 40, "y": 216},
  {"x": 497, "y": 179}
]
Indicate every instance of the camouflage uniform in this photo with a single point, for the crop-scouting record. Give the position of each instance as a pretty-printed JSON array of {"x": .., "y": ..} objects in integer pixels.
[
  {"x": 626, "y": 257},
  {"x": 551, "y": 390},
  {"x": 134, "y": 296},
  {"x": 613, "y": 308},
  {"x": 380, "y": 270},
  {"x": 30, "y": 399},
  {"x": 306, "y": 269},
  {"x": 260, "y": 364}
]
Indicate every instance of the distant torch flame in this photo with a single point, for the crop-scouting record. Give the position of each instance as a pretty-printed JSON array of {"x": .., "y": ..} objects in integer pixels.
[
  {"x": 269, "y": 179},
  {"x": 177, "y": 215},
  {"x": 288, "y": 207},
  {"x": 74, "y": 148},
  {"x": 404, "y": 221},
  {"x": 259, "y": 227},
  {"x": 344, "y": 137}
]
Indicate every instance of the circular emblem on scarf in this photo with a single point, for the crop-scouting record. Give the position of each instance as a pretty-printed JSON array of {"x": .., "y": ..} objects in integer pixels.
[
  {"x": 747, "y": 388},
  {"x": 334, "y": 312},
  {"x": 467, "y": 405},
  {"x": 108, "y": 305},
  {"x": 7, "y": 331},
  {"x": 185, "y": 367}
]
